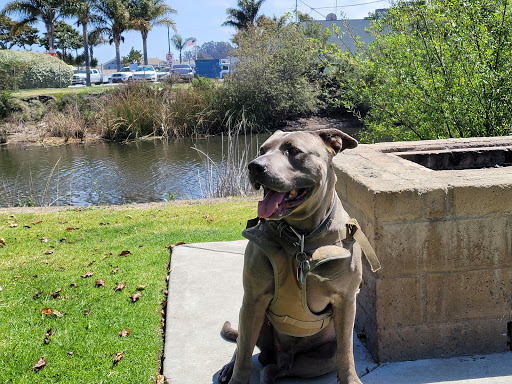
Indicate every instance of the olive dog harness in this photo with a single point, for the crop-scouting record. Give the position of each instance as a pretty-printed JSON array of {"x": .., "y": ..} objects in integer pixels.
[{"x": 293, "y": 255}]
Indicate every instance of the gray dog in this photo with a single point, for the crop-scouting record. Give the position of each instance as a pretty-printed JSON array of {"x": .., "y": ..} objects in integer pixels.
[{"x": 301, "y": 239}]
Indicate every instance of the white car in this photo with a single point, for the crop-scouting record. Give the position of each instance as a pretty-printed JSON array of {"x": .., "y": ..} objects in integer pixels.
[
  {"x": 122, "y": 76},
  {"x": 146, "y": 72},
  {"x": 163, "y": 73}
]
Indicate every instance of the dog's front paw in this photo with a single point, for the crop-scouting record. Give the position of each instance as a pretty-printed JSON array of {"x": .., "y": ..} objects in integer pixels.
[{"x": 226, "y": 372}]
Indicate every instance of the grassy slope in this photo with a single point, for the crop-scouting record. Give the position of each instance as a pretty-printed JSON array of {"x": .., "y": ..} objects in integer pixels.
[{"x": 94, "y": 245}]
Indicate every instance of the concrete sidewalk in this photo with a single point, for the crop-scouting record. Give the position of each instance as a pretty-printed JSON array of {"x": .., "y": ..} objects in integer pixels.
[{"x": 205, "y": 289}]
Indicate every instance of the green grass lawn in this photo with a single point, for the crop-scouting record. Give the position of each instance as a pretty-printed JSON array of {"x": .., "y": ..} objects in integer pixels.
[{"x": 44, "y": 261}]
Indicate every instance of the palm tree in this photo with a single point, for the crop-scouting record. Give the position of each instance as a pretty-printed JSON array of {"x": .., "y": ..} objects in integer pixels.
[
  {"x": 95, "y": 38},
  {"x": 245, "y": 16},
  {"x": 33, "y": 11},
  {"x": 180, "y": 44},
  {"x": 147, "y": 13},
  {"x": 114, "y": 19},
  {"x": 83, "y": 11}
]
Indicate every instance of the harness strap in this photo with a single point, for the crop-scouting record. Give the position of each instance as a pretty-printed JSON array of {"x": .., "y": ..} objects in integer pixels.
[
  {"x": 317, "y": 324},
  {"x": 354, "y": 231}
]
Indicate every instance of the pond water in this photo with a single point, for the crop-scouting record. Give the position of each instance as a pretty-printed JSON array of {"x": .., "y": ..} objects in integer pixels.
[{"x": 113, "y": 173}]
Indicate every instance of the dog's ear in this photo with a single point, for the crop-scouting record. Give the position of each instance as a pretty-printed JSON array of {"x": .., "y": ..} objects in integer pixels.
[{"x": 336, "y": 140}]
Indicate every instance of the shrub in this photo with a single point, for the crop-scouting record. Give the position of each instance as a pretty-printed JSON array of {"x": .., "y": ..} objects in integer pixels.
[
  {"x": 435, "y": 71},
  {"x": 139, "y": 109},
  {"x": 5, "y": 106},
  {"x": 270, "y": 83},
  {"x": 25, "y": 70}
]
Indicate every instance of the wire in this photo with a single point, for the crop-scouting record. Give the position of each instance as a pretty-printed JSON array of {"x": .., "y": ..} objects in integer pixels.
[{"x": 340, "y": 6}]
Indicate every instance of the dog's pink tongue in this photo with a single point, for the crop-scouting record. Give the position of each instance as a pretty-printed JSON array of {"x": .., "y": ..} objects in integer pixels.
[{"x": 269, "y": 204}]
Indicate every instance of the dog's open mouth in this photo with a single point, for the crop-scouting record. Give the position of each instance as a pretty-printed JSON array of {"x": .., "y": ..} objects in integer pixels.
[{"x": 279, "y": 203}]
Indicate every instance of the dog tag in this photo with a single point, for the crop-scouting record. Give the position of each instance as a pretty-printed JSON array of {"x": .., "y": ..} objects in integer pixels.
[{"x": 303, "y": 266}]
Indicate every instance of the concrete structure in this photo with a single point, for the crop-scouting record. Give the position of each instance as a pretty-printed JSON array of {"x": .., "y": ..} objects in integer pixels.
[{"x": 443, "y": 233}]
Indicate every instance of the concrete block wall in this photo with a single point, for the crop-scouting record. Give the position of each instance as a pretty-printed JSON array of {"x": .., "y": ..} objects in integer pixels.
[{"x": 444, "y": 239}]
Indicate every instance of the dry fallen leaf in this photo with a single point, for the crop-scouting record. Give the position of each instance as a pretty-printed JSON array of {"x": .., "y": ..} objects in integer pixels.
[
  {"x": 115, "y": 270},
  {"x": 73, "y": 285},
  {"x": 107, "y": 255},
  {"x": 160, "y": 379},
  {"x": 135, "y": 297},
  {"x": 2, "y": 242},
  {"x": 13, "y": 225},
  {"x": 118, "y": 357},
  {"x": 37, "y": 222},
  {"x": 44, "y": 239},
  {"x": 100, "y": 283},
  {"x": 70, "y": 353},
  {"x": 87, "y": 274},
  {"x": 47, "y": 311},
  {"x": 120, "y": 286},
  {"x": 175, "y": 245},
  {"x": 40, "y": 364},
  {"x": 124, "y": 253},
  {"x": 56, "y": 293},
  {"x": 48, "y": 252},
  {"x": 87, "y": 312},
  {"x": 124, "y": 332},
  {"x": 36, "y": 296},
  {"x": 71, "y": 228}
]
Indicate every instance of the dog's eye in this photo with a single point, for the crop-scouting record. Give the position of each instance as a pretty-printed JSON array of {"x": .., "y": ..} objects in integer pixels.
[
  {"x": 261, "y": 151},
  {"x": 293, "y": 151}
]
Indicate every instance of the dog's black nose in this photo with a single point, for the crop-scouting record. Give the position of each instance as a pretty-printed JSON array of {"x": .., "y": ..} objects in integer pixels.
[{"x": 256, "y": 168}]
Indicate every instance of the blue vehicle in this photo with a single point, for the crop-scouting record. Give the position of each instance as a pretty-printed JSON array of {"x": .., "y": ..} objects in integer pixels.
[{"x": 214, "y": 69}]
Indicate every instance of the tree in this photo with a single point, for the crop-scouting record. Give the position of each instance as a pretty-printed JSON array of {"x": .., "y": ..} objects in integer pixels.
[
  {"x": 181, "y": 44},
  {"x": 245, "y": 15},
  {"x": 114, "y": 19},
  {"x": 95, "y": 39},
  {"x": 31, "y": 11},
  {"x": 65, "y": 38},
  {"x": 83, "y": 11},
  {"x": 147, "y": 13},
  {"x": 214, "y": 50},
  {"x": 14, "y": 34},
  {"x": 133, "y": 57},
  {"x": 440, "y": 70}
]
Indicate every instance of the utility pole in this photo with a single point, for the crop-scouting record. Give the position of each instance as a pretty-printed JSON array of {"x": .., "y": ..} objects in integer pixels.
[
  {"x": 169, "y": 39},
  {"x": 296, "y": 14}
]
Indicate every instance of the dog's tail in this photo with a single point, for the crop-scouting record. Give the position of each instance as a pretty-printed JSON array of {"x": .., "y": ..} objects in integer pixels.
[{"x": 229, "y": 332}]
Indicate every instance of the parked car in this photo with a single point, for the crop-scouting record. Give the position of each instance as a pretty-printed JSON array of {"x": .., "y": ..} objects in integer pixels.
[
  {"x": 183, "y": 72},
  {"x": 163, "y": 73},
  {"x": 146, "y": 72},
  {"x": 96, "y": 77},
  {"x": 122, "y": 76}
]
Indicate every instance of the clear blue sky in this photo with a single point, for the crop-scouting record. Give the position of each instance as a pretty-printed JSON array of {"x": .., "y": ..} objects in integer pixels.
[{"x": 202, "y": 19}]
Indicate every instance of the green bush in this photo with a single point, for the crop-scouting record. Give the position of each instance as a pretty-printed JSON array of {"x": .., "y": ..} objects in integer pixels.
[
  {"x": 436, "y": 70},
  {"x": 4, "y": 104},
  {"x": 27, "y": 70},
  {"x": 271, "y": 82}
]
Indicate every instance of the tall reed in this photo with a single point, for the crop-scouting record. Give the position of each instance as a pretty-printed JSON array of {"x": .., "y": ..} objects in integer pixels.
[{"x": 229, "y": 176}]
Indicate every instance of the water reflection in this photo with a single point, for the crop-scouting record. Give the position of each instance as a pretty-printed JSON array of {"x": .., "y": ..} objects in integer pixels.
[{"x": 109, "y": 173}]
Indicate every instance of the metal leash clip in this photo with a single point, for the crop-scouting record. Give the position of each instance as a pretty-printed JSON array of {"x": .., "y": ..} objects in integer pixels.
[{"x": 302, "y": 260}]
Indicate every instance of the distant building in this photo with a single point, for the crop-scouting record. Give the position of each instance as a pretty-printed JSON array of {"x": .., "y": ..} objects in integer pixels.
[
  {"x": 111, "y": 64},
  {"x": 347, "y": 29}
]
